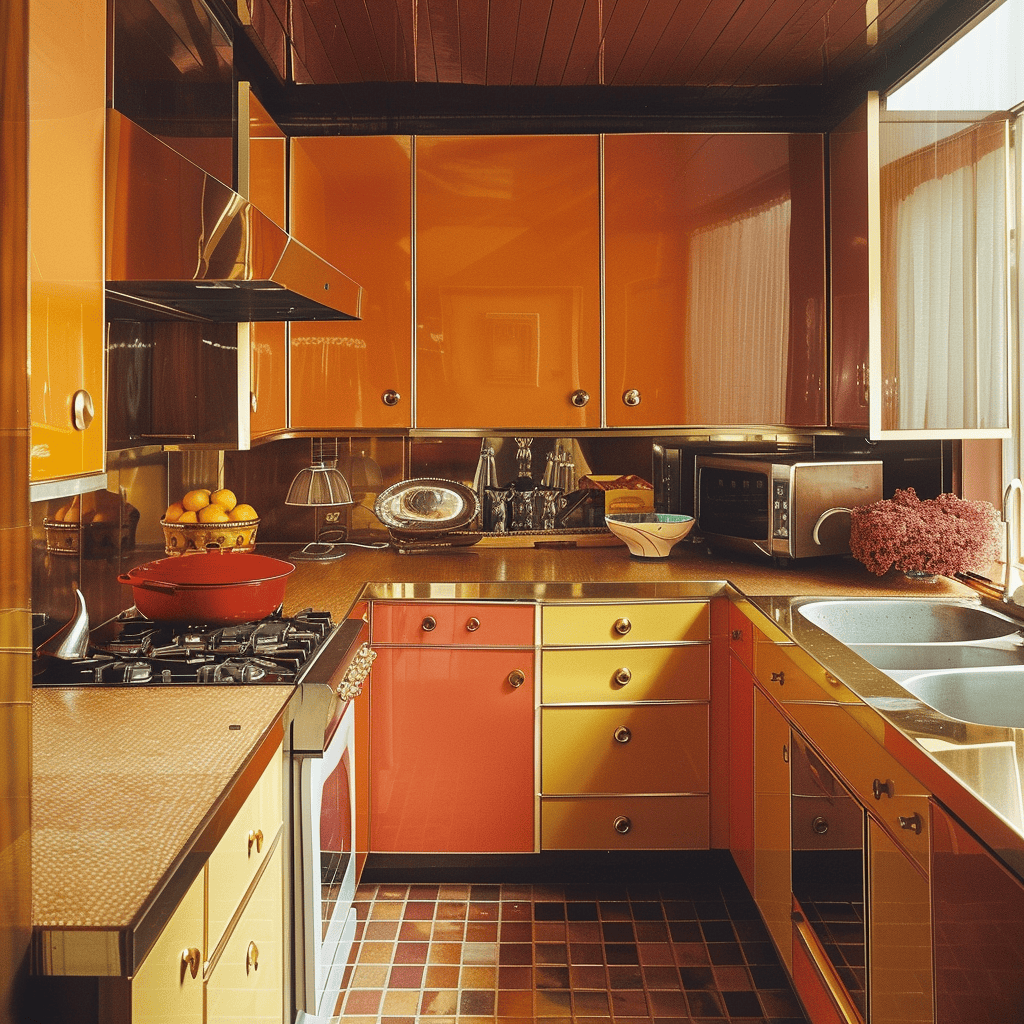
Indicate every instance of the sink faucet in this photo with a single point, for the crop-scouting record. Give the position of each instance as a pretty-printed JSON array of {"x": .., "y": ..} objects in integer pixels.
[{"x": 1013, "y": 583}]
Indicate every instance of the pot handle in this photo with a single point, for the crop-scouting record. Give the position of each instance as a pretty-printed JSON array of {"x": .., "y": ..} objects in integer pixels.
[{"x": 158, "y": 585}]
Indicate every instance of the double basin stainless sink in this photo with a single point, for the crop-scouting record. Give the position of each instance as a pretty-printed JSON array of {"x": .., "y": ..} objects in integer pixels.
[{"x": 961, "y": 659}]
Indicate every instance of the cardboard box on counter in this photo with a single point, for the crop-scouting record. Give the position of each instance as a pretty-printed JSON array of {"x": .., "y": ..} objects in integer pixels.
[{"x": 614, "y": 494}]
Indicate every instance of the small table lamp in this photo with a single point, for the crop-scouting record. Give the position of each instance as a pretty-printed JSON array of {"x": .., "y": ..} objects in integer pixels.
[{"x": 320, "y": 485}]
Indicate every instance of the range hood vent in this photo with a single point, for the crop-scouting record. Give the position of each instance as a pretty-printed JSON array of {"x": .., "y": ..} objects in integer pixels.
[{"x": 182, "y": 245}]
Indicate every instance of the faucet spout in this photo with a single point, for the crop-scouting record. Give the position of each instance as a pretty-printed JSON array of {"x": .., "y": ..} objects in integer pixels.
[{"x": 1013, "y": 582}]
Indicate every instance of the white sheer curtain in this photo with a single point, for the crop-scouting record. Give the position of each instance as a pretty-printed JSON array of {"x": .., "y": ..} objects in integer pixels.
[
  {"x": 950, "y": 298},
  {"x": 738, "y": 319}
]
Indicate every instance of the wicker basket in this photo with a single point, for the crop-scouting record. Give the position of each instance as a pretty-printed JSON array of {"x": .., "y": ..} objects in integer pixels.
[
  {"x": 91, "y": 540},
  {"x": 181, "y": 538}
]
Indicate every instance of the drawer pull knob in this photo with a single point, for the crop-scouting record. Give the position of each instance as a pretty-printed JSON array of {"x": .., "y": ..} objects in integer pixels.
[
  {"x": 252, "y": 958},
  {"x": 912, "y": 823},
  {"x": 819, "y": 826},
  {"x": 429, "y": 623},
  {"x": 579, "y": 398},
  {"x": 622, "y": 626},
  {"x": 622, "y": 735},
  {"x": 623, "y": 676},
  {"x": 880, "y": 788},
  {"x": 736, "y": 634},
  {"x": 82, "y": 410},
  {"x": 779, "y": 677},
  {"x": 785, "y": 753},
  {"x": 473, "y": 624},
  {"x": 516, "y": 678},
  {"x": 256, "y": 837},
  {"x": 631, "y": 397},
  {"x": 190, "y": 960},
  {"x": 391, "y": 398},
  {"x": 622, "y": 824}
]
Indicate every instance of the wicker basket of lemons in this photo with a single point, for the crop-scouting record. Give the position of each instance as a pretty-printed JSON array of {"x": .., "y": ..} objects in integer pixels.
[{"x": 205, "y": 518}]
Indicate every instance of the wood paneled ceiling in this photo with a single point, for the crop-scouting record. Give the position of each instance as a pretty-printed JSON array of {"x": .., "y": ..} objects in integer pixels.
[{"x": 726, "y": 54}]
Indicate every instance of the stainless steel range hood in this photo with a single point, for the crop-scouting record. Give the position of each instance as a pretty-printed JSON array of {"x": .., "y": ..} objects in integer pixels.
[{"x": 182, "y": 245}]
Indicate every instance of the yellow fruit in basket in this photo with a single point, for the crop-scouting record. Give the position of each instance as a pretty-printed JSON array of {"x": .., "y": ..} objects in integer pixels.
[
  {"x": 242, "y": 513},
  {"x": 225, "y": 498},
  {"x": 74, "y": 511},
  {"x": 213, "y": 514},
  {"x": 188, "y": 516},
  {"x": 173, "y": 513},
  {"x": 195, "y": 500}
]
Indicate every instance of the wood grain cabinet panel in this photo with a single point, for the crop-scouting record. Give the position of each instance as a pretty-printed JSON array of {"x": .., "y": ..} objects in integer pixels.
[
  {"x": 164, "y": 990},
  {"x": 351, "y": 202},
  {"x": 247, "y": 981},
  {"x": 714, "y": 279},
  {"x": 508, "y": 282},
  {"x": 659, "y": 748}
]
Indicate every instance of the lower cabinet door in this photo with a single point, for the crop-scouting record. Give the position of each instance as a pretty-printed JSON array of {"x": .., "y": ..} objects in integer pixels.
[
  {"x": 625, "y": 823},
  {"x": 168, "y": 987},
  {"x": 247, "y": 981}
]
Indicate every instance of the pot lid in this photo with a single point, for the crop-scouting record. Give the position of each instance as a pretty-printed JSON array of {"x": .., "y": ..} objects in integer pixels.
[
  {"x": 426, "y": 505},
  {"x": 211, "y": 568}
]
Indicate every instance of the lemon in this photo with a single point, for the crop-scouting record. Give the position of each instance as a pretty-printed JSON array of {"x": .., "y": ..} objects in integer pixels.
[
  {"x": 188, "y": 516},
  {"x": 195, "y": 500},
  {"x": 173, "y": 513},
  {"x": 212, "y": 514},
  {"x": 242, "y": 513},
  {"x": 225, "y": 498}
]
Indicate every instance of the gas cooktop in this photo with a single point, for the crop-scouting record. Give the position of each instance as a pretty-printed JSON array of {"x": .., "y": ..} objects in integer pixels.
[{"x": 135, "y": 651}]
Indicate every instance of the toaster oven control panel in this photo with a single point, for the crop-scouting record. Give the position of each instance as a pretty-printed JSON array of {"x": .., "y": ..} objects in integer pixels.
[{"x": 780, "y": 509}]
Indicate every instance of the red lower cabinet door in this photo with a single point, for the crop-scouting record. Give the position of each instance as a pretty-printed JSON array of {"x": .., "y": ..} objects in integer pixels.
[{"x": 451, "y": 751}]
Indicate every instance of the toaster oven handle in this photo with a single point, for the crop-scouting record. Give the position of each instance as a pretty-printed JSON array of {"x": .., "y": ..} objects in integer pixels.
[{"x": 821, "y": 519}]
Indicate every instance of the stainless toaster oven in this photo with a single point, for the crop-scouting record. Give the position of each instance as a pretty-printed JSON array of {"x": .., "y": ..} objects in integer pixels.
[{"x": 770, "y": 503}]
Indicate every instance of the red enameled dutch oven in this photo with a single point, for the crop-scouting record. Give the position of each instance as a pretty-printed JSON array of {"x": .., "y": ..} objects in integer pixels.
[{"x": 217, "y": 588}]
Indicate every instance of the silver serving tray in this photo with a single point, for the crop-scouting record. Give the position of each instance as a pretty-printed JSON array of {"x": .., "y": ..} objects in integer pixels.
[{"x": 426, "y": 506}]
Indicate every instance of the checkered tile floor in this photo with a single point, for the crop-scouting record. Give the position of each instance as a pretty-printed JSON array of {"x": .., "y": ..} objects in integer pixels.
[{"x": 586, "y": 953}]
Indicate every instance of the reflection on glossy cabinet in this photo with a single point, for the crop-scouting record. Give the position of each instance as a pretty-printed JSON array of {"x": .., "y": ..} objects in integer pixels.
[
  {"x": 168, "y": 987},
  {"x": 899, "y": 933},
  {"x": 67, "y": 91},
  {"x": 247, "y": 980},
  {"x": 352, "y": 204},
  {"x": 714, "y": 279},
  {"x": 772, "y": 843},
  {"x": 268, "y": 378},
  {"x": 508, "y": 282},
  {"x": 741, "y": 768}
]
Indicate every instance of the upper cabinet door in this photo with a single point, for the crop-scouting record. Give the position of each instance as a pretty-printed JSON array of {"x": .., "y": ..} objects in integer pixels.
[
  {"x": 938, "y": 256},
  {"x": 351, "y": 202},
  {"x": 67, "y": 92},
  {"x": 714, "y": 280},
  {"x": 508, "y": 283}
]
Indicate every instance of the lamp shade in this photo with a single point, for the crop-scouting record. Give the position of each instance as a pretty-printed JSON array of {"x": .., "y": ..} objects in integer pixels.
[{"x": 319, "y": 485}]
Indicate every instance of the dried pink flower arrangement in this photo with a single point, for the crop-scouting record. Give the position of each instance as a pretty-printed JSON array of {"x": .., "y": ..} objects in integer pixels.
[{"x": 942, "y": 535}]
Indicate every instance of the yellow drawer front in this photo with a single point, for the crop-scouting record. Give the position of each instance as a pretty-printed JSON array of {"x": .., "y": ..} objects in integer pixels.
[
  {"x": 582, "y": 624},
  {"x": 247, "y": 982},
  {"x": 164, "y": 988},
  {"x": 789, "y": 674},
  {"x": 654, "y": 749},
  {"x": 625, "y": 823},
  {"x": 881, "y": 783},
  {"x": 243, "y": 848},
  {"x": 626, "y": 673}
]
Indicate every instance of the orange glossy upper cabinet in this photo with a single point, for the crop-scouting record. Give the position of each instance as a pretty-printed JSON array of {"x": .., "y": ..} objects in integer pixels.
[
  {"x": 714, "y": 280},
  {"x": 263, "y": 180},
  {"x": 508, "y": 283},
  {"x": 351, "y": 202},
  {"x": 67, "y": 101}
]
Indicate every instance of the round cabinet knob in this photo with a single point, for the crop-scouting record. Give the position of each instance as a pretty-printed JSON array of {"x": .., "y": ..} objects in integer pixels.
[
  {"x": 623, "y": 676},
  {"x": 622, "y": 626},
  {"x": 252, "y": 958},
  {"x": 622, "y": 824},
  {"x": 429, "y": 624},
  {"x": 819, "y": 826},
  {"x": 579, "y": 398},
  {"x": 516, "y": 678},
  {"x": 631, "y": 397},
  {"x": 473, "y": 624},
  {"x": 82, "y": 409},
  {"x": 390, "y": 397},
  {"x": 190, "y": 960},
  {"x": 736, "y": 634},
  {"x": 622, "y": 735}
]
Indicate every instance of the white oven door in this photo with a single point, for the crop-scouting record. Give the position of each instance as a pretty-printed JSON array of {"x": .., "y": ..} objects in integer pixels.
[{"x": 325, "y": 880}]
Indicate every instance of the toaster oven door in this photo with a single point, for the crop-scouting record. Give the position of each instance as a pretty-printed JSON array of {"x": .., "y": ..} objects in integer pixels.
[{"x": 735, "y": 503}]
